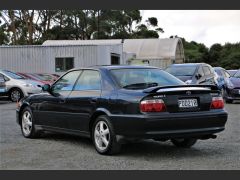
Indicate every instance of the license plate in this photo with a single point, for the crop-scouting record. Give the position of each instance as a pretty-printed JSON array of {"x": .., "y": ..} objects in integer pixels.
[{"x": 187, "y": 103}]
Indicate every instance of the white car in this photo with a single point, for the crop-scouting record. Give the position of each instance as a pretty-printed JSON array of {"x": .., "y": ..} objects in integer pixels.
[{"x": 17, "y": 86}]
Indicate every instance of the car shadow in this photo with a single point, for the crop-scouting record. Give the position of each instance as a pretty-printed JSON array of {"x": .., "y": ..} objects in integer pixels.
[
  {"x": 4, "y": 100},
  {"x": 67, "y": 139},
  {"x": 166, "y": 149},
  {"x": 144, "y": 148}
]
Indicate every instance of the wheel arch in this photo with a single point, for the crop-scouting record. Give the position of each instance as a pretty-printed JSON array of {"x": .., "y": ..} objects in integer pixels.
[
  {"x": 15, "y": 87},
  {"x": 95, "y": 115},
  {"x": 24, "y": 105}
]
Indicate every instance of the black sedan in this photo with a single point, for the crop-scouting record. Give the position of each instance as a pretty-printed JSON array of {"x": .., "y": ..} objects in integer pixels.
[{"x": 115, "y": 104}]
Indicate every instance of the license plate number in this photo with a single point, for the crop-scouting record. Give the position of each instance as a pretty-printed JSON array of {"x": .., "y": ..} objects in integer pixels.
[{"x": 187, "y": 103}]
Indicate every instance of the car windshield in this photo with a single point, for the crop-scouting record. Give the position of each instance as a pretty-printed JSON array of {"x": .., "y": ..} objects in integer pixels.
[
  {"x": 42, "y": 78},
  {"x": 143, "y": 78},
  {"x": 46, "y": 77},
  {"x": 231, "y": 72},
  {"x": 181, "y": 70},
  {"x": 13, "y": 75},
  {"x": 237, "y": 74}
]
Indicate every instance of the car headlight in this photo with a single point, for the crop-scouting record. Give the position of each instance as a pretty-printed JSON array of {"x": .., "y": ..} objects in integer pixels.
[{"x": 188, "y": 81}]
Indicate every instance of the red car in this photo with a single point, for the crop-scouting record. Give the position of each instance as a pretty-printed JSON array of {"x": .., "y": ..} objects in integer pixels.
[
  {"x": 49, "y": 77},
  {"x": 35, "y": 77}
]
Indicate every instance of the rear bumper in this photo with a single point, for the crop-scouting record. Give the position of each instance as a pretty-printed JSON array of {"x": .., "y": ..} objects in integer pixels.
[{"x": 170, "y": 125}]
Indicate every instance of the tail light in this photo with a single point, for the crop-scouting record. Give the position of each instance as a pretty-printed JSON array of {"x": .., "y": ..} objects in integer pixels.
[
  {"x": 156, "y": 105},
  {"x": 217, "y": 103}
]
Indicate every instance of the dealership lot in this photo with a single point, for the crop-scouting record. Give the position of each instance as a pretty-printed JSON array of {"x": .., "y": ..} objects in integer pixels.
[{"x": 56, "y": 151}]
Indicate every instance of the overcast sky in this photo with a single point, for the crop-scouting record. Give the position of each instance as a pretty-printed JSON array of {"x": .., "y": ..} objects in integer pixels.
[{"x": 206, "y": 27}]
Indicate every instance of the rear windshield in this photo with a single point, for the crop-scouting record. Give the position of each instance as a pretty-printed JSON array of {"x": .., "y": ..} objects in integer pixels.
[
  {"x": 181, "y": 70},
  {"x": 153, "y": 77}
]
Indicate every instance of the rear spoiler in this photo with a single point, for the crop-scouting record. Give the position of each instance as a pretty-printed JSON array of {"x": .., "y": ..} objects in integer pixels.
[{"x": 156, "y": 88}]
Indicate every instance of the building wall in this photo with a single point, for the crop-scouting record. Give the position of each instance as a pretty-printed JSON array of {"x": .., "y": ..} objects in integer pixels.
[{"x": 41, "y": 59}]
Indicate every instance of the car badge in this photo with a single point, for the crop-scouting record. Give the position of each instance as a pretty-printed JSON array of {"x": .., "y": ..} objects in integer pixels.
[{"x": 188, "y": 92}]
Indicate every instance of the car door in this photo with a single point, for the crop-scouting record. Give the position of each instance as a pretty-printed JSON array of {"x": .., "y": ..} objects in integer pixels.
[
  {"x": 53, "y": 111},
  {"x": 84, "y": 99}
]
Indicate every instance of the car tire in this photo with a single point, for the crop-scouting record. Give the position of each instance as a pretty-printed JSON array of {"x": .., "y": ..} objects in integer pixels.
[
  {"x": 27, "y": 124},
  {"x": 184, "y": 143},
  {"x": 15, "y": 94},
  {"x": 229, "y": 101},
  {"x": 104, "y": 137}
]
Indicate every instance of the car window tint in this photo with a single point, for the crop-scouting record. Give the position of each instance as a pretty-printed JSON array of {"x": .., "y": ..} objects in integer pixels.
[
  {"x": 219, "y": 72},
  {"x": 206, "y": 70},
  {"x": 1, "y": 78},
  {"x": 237, "y": 74},
  {"x": 183, "y": 70},
  {"x": 226, "y": 74},
  {"x": 200, "y": 71},
  {"x": 66, "y": 82},
  {"x": 126, "y": 77},
  {"x": 89, "y": 80}
]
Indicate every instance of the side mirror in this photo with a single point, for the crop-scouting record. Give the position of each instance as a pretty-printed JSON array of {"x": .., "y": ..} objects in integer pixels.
[{"x": 46, "y": 87}]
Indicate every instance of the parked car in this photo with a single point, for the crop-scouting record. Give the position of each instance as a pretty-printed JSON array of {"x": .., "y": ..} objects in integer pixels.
[
  {"x": 3, "y": 91},
  {"x": 49, "y": 77},
  {"x": 193, "y": 73},
  {"x": 233, "y": 91},
  {"x": 34, "y": 77},
  {"x": 232, "y": 72},
  {"x": 17, "y": 86},
  {"x": 111, "y": 104},
  {"x": 222, "y": 78}
]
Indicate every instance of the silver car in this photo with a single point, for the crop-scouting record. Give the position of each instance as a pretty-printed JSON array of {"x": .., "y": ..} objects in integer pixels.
[{"x": 18, "y": 87}]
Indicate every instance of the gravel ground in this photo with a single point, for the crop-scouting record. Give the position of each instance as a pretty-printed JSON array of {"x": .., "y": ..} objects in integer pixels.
[{"x": 56, "y": 151}]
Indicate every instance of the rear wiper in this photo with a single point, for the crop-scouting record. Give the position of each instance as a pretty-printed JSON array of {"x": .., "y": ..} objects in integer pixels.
[{"x": 141, "y": 85}]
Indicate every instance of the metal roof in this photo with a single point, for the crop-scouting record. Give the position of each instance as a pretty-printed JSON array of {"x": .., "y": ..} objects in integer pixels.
[{"x": 143, "y": 48}]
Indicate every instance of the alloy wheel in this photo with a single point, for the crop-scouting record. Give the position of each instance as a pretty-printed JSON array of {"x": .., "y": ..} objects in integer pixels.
[
  {"x": 26, "y": 123},
  {"x": 15, "y": 95},
  {"x": 102, "y": 135}
]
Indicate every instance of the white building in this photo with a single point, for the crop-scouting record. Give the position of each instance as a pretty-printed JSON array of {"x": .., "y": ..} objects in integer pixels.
[{"x": 57, "y": 56}]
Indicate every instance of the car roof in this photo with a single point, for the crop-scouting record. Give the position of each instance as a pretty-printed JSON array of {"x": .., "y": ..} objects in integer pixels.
[
  {"x": 189, "y": 64},
  {"x": 110, "y": 67},
  {"x": 216, "y": 68}
]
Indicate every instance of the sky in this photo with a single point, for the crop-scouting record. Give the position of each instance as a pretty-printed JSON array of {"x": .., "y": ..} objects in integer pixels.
[{"x": 202, "y": 26}]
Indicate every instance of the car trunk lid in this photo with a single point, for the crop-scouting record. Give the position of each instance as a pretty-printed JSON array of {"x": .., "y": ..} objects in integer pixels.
[{"x": 185, "y": 98}]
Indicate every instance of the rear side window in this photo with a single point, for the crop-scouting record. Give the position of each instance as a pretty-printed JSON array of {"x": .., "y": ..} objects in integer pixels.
[
  {"x": 126, "y": 77},
  {"x": 89, "y": 80},
  {"x": 200, "y": 71},
  {"x": 206, "y": 70}
]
